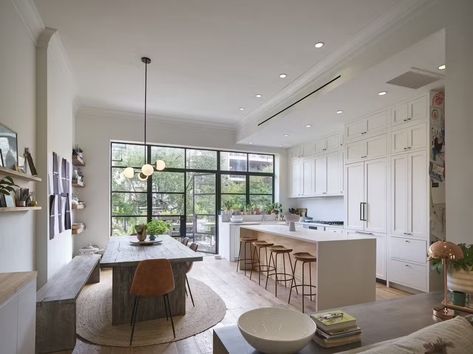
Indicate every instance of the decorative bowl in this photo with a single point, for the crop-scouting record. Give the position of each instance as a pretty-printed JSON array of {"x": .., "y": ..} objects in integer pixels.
[{"x": 276, "y": 330}]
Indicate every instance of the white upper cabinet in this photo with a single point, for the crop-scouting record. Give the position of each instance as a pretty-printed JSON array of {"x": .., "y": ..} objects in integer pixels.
[
  {"x": 415, "y": 110},
  {"x": 368, "y": 126},
  {"x": 321, "y": 175},
  {"x": 295, "y": 177},
  {"x": 409, "y": 138},
  {"x": 376, "y": 192},
  {"x": 355, "y": 195},
  {"x": 335, "y": 173},
  {"x": 307, "y": 177},
  {"x": 366, "y": 149}
]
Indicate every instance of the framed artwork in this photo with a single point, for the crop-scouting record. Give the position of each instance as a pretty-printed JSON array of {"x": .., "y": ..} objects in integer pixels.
[
  {"x": 9, "y": 201},
  {"x": 8, "y": 147},
  {"x": 1, "y": 159}
]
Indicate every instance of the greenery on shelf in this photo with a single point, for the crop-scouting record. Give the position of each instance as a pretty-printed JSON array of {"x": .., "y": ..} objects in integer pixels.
[
  {"x": 7, "y": 185},
  {"x": 466, "y": 263},
  {"x": 158, "y": 227}
]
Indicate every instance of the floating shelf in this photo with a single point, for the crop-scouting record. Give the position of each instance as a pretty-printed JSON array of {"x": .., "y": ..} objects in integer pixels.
[
  {"x": 18, "y": 209},
  {"x": 13, "y": 173}
]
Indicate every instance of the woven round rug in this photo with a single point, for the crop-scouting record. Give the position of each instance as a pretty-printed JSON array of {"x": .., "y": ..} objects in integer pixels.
[{"x": 94, "y": 317}]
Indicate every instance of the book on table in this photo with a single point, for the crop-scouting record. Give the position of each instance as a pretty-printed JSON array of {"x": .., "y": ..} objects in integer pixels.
[{"x": 335, "y": 328}]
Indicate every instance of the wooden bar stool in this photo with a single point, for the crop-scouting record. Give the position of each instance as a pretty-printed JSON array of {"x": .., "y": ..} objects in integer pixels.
[
  {"x": 260, "y": 267},
  {"x": 244, "y": 242},
  {"x": 275, "y": 251},
  {"x": 153, "y": 278},
  {"x": 304, "y": 258}
]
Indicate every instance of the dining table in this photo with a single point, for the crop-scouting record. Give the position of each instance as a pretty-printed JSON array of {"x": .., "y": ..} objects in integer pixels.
[{"x": 122, "y": 255}]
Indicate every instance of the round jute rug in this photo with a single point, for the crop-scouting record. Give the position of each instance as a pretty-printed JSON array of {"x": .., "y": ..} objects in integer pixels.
[{"x": 94, "y": 317}]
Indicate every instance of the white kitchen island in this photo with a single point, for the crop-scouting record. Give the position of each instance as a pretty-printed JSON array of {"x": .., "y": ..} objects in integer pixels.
[{"x": 345, "y": 271}]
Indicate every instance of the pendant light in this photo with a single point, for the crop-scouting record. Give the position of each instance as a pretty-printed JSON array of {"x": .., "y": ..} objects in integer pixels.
[{"x": 147, "y": 169}]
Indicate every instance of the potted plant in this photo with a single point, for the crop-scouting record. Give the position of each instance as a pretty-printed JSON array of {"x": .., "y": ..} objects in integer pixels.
[
  {"x": 460, "y": 272},
  {"x": 157, "y": 227},
  {"x": 141, "y": 232},
  {"x": 227, "y": 210},
  {"x": 6, "y": 189}
]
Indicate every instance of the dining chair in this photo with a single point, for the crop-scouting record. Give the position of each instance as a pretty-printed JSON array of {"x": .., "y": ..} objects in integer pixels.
[
  {"x": 194, "y": 246},
  {"x": 152, "y": 278}
]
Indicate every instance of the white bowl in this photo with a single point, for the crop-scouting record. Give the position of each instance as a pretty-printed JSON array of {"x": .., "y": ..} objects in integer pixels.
[{"x": 276, "y": 330}]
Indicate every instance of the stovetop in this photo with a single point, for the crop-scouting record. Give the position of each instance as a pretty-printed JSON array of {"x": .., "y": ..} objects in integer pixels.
[{"x": 325, "y": 222}]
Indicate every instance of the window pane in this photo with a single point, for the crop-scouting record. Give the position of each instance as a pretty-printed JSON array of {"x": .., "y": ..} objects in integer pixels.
[
  {"x": 126, "y": 226},
  {"x": 261, "y": 185},
  {"x": 260, "y": 163},
  {"x": 168, "y": 204},
  {"x": 128, "y": 155},
  {"x": 233, "y": 184},
  {"x": 201, "y": 183},
  {"x": 202, "y": 159},
  {"x": 120, "y": 183},
  {"x": 261, "y": 201},
  {"x": 233, "y": 161},
  {"x": 168, "y": 182},
  {"x": 128, "y": 204},
  {"x": 236, "y": 202},
  {"x": 173, "y": 157},
  {"x": 174, "y": 222},
  {"x": 204, "y": 204}
]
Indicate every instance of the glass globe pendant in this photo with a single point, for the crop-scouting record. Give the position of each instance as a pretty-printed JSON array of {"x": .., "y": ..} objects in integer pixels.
[
  {"x": 160, "y": 165},
  {"x": 142, "y": 177},
  {"x": 147, "y": 169},
  {"x": 129, "y": 172}
]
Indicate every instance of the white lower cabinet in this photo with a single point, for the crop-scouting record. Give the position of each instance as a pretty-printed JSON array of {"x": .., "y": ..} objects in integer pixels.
[
  {"x": 407, "y": 249},
  {"x": 408, "y": 274},
  {"x": 381, "y": 256}
]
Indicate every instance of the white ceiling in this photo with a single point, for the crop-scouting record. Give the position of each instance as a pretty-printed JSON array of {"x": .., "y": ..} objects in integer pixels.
[
  {"x": 212, "y": 56},
  {"x": 356, "y": 97}
]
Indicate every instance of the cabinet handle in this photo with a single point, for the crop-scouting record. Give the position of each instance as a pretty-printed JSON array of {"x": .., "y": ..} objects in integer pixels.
[
  {"x": 407, "y": 241},
  {"x": 408, "y": 233},
  {"x": 365, "y": 207},
  {"x": 364, "y": 157},
  {"x": 361, "y": 211},
  {"x": 364, "y": 233},
  {"x": 325, "y": 149},
  {"x": 324, "y": 192},
  {"x": 363, "y": 133},
  {"x": 409, "y": 147},
  {"x": 406, "y": 265}
]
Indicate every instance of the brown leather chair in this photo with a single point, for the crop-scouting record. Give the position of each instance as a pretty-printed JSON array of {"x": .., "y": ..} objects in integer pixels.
[
  {"x": 153, "y": 278},
  {"x": 194, "y": 246},
  {"x": 185, "y": 241}
]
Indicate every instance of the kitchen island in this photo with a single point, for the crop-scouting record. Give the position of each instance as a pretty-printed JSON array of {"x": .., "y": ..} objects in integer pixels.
[{"x": 345, "y": 271}]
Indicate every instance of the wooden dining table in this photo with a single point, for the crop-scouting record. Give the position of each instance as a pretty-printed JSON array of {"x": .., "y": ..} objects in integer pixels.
[{"x": 123, "y": 258}]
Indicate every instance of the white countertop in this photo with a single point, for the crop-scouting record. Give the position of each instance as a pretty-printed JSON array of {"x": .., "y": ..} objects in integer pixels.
[
  {"x": 320, "y": 224},
  {"x": 302, "y": 234}
]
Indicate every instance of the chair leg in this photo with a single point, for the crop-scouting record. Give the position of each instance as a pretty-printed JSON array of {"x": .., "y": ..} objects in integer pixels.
[
  {"x": 284, "y": 267},
  {"x": 310, "y": 280},
  {"x": 292, "y": 281},
  {"x": 238, "y": 259},
  {"x": 276, "y": 275},
  {"x": 244, "y": 257},
  {"x": 190, "y": 292},
  {"x": 170, "y": 315},
  {"x": 253, "y": 256},
  {"x": 267, "y": 272},
  {"x": 137, "y": 302},
  {"x": 293, "y": 269},
  {"x": 165, "y": 309},
  {"x": 303, "y": 286},
  {"x": 133, "y": 311}
]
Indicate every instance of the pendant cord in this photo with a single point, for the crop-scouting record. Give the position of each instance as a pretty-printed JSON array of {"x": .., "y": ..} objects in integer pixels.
[{"x": 146, "y": 94}]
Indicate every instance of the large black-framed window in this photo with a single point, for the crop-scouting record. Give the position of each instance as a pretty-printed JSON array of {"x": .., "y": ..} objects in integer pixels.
[{"x": 196, "y": 184}]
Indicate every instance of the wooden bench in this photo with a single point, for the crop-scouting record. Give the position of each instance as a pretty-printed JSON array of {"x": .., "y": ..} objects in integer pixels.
[{"x": 56, "y": 304}]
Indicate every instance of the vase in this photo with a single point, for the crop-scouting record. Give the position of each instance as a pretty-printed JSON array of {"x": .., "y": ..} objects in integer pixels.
[
  {"x": 152, "y": 237},
  {"x": 460, "y": 280},
  {"x": 141, "y": 236}
]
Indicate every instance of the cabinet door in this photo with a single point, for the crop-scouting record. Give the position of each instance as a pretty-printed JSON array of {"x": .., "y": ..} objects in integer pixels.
[
  {"x": 309, "y": 149},
  {"x": 307, "y": 177},
  {"x": 321, "y": 175},
  {"x": 334, "y": 173},
  {"x": 376, "y": 123},
  {"x": 295, "y": 178},
  {"x": 418, "y": 109},
  {"x": 9, "y": 325},
  {"x": 375, "y": 147},
  {"x": 399, "y": 113},
  {"x": 381, "y": 258},
  {"x": 400, "y": 140},
  {"x": 356, "y": 129},
  {"x": 418, "y": 137},
  {"x": 320, "y": 146},
  {"x": 375, "y": 186},
  {"x": 418, "y": 198},
  {"x": 333, "y": 142},
  {"x": 399, "y": 194},
  {"x": 354, "y": 193},
  {"x": 355, "y": 151}
]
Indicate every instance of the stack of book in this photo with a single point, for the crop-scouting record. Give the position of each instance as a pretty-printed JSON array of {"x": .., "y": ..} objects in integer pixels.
[{"x": 335, "y": 328}]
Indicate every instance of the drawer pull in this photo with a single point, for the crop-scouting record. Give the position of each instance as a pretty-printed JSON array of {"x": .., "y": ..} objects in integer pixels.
[
  {"x": 407, "y": 241},
  {"x": 363, "y": 133},
  {"x": 408, "y": 233},
  {"x": 406, "y": 265},
  {"x": 364, "y": 157}
]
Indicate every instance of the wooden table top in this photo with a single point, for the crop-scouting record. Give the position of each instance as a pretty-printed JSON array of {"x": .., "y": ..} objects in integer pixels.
[
  {"x": 120, "y": 252},
  {"x": 11, "y": 283},
  {"x": 379, "y": 321}
]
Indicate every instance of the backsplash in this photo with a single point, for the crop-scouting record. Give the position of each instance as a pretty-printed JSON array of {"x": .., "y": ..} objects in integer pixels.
[{"x": 321, "y": 208}]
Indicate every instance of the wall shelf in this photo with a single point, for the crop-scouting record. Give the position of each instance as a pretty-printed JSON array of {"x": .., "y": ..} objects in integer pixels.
[
  {"x": 18, "y": 209},
  {"x": 13, "y": 173}
]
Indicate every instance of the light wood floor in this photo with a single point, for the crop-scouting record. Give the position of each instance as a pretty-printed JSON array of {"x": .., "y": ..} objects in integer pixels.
[{"x": 239, "y": 293}]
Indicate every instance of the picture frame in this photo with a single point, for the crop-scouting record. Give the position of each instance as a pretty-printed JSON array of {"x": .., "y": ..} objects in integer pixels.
[
  {"x": 9, "y": 201},
  {"x": 9, "y": 147},
  {"x": 1, "y": 159},
  {"x": 21, "y": 167}
]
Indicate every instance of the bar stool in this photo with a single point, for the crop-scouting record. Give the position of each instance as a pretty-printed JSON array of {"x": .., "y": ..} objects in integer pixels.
[
  {"x": 245, "y": 241},
  {"x": 275, "y": 251},
  {"x": 304, "y": 258},
  {"x": 256, "y": 256}
]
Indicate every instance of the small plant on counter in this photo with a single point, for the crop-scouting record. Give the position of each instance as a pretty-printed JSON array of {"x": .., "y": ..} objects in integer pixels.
[{"x": 158, "y": 227}]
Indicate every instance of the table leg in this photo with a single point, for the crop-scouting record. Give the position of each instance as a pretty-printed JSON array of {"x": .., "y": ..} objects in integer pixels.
[{"x": 150, "y": 308}]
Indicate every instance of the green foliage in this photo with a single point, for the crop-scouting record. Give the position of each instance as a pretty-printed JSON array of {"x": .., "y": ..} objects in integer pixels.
[
  {"x": 466, "y": 263},
  {"x": 273, "y": 208},
  {"x": 158, "y": 227},
  {"x": 7, "y": 185}
]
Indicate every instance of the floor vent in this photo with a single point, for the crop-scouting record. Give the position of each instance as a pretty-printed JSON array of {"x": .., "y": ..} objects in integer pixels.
[{"x": 414, "y": 79}]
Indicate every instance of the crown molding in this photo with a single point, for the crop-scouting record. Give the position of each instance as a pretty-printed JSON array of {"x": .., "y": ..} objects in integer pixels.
[
  {"x": 30, "y": 17},
  {"x": 101, "y": 112},
  {"x": 334, "y": 61}
]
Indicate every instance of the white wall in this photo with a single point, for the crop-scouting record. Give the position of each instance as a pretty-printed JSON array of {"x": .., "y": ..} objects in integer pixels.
[
  {"x": 17, "y": 111},
  {"x": 95, "y": 129},
  {"x": 330, "y": 209}
]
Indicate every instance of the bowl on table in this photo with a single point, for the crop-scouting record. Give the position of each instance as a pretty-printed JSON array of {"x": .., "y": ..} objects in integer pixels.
[{"x": 276, "y": 330}]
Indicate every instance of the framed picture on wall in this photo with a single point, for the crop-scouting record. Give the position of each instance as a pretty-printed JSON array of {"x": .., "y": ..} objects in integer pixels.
[
  {"x": 1, "y": 159},
  {"x": 8, "y": 147}
]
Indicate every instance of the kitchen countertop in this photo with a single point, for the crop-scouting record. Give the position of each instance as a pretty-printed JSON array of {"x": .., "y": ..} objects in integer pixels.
[
  {"x": 307, "y": 235},
  {"x": 320, "y": 224},
  {"x": 11, "y": 283}
]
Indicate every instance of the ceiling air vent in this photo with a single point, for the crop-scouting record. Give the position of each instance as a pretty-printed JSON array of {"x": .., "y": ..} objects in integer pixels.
[{"x": 414, "y": 79}]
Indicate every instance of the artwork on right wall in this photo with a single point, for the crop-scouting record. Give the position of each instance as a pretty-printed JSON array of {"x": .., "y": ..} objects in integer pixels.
[{"x": 437, "y": 164}]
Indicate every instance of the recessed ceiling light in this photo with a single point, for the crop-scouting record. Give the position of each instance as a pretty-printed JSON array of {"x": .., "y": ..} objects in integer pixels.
[
  {"x": 339, "y": 111},
  {"x": 442, "y": 67},
  {"x": 319, "y": 44},
  {"x": 286, "y": 135},
  {"x": 258, "y": 95},
  {"x": 308, "y": 125},
  {"x": 250, "y": 143},
  {"x": 382, "y": 93},
  {"x": 242, "y": 108},
  {"x": 282, "y": 76}
]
